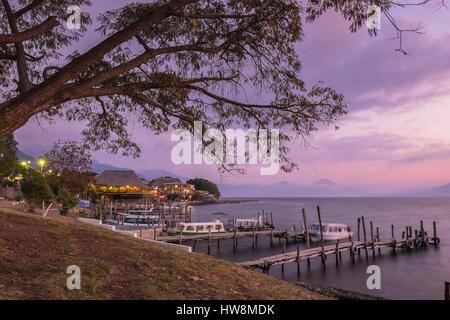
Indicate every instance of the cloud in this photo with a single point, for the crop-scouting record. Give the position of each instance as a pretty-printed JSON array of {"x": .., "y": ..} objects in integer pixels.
[{"x": 368, "y": 70}]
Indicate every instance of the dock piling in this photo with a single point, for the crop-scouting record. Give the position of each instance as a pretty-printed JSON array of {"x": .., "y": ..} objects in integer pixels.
[
  {"x": 447, "y": 291},
  {"x": 378, "y": 239},
  {"x": 321, "y": 237},
  {"x": 434, "y": 234},
  {"x": 365, "y": 236}
]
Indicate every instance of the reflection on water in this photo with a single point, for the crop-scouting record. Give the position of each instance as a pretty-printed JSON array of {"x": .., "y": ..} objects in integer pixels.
[{"x": 404, "y": 275}]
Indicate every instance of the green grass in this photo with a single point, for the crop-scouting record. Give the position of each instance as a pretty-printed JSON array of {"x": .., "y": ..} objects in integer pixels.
[{"x": 35, "y": 253}]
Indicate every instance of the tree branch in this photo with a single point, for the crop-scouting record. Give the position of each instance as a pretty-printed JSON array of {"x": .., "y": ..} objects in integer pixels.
[
  {"x": 17, "y": 37},
  {"x": 27, "y": 8}
]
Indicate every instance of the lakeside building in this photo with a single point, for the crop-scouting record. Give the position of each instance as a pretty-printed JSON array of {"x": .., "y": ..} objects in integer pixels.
[
  {"x": 173, "y": 189},
  {"x": 122, "y": 184},
  {"x": 126, "y": 184}
]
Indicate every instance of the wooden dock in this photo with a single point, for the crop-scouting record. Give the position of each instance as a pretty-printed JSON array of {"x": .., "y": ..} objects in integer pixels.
[
  {"x": 231, "y": 235},
  {"x": 354, "y": 247}
]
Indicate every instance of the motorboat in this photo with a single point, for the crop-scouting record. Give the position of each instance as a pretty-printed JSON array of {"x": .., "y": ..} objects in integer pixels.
[{"x": 330, "y": 231}]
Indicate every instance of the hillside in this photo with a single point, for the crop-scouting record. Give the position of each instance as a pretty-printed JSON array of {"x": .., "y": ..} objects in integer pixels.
[{"x": 35, "y": 252}]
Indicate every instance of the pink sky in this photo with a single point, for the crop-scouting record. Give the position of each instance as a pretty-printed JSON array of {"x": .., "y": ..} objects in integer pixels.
[{"x": 397, "y": 132}]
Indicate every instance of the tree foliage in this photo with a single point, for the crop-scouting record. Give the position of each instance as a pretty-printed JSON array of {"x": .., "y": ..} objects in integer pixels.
[
  {"x": 205, "y": 185},
  {"x": 9, "y": 166},
  {"x": 35, "y": 189},
  {"x": 70, "y": 163},
  {"x": 69, "y": 156},
  {"x": 166, "y": 64}
]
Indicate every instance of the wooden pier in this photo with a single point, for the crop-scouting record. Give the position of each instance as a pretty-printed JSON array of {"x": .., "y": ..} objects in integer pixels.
[
  {"x": 334, "y": 249},
  {"x": 231, "y": 235},
  {"x": 408, "y": 241}
]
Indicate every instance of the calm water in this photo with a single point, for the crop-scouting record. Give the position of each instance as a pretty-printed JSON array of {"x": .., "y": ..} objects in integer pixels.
[{"x": 406, "y": 275}]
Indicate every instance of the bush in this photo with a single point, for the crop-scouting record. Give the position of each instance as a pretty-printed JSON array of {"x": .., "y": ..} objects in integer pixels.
[
  {"x": 205, "y": 185},
  {"x": 34, "y": 188}
]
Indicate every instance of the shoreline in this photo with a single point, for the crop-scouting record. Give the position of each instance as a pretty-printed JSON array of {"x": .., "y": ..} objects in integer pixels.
[
  {"x": 226, "y": 201},
  {"x": 337, "y": 293}
]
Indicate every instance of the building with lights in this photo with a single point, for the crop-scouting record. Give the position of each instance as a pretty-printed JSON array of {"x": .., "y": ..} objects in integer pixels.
[
  {"x": 122, "y": 184},
  {"x": 172, "y": 189}
]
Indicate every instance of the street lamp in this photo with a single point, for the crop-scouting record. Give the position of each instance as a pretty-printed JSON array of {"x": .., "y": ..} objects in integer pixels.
[
  {"x": 25, "y": 164},
  {"x": 41, "y": 163}
]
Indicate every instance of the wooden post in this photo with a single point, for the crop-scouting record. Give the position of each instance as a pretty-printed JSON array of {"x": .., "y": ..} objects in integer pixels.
[
  {"x": 257, "y": 229},
  {"x": 352, "y": 254},
  {"x": 321, "y": 237},
  {"x": 305, "y": 228},
  {"x": 372, "y": 239},
  {"x": 378, "y": 239},
  {"x": 447, "y": 291},
  {"x": 271, "y": 237},
  {"x": 337, "y": 253},
  {"x": 393, "y": 238},
  {"x": 416, "y": 240},
  {"x": 209, "y": 240},
  {"x": 434, "y": 234},
  {"x": 298, "y": 261},
  {"x": 284, "y": 251},
  {"x": 421, "y": 229},
  {"x": 271, "y": 220},
  {"x": 254, "y": 241},
  {"x": 407, "y": 237},
  {"x": 234, "y": 238},
  {"x": 195, "y": 244},
  {"x": 257, "y": 222},
  {"x": 306, "y": 232},
  {"x": 365, "y": 237},
  {"x": 181, "y": 234},
  {"x": 359, "y": 229}
]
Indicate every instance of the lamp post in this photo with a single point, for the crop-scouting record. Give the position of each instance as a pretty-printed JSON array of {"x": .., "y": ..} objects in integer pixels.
[{"x": 41, "y": 163}]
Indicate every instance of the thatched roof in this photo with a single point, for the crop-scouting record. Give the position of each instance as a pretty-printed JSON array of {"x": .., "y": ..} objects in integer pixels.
[
  {"x": 164, "y": 181},
  {"x": 117, "y": 178}
]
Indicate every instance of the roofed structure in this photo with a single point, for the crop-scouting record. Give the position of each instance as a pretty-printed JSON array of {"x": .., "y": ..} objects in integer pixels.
[{"x": 117, "y": 178}]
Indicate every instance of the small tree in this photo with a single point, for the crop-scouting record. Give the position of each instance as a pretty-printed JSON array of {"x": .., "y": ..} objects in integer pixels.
[
  {"x": 35, "y": 190},
  {"x": 69, "y": 163},
  {"x": 69, "y": 156},
  {"x": 9, "y": 166},
  {"x": 66, "y": 199},
  {"x": 205, "y": 185}
]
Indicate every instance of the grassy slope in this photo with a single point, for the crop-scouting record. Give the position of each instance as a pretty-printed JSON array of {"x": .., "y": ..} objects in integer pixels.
[{"x": 35, "y": 252}]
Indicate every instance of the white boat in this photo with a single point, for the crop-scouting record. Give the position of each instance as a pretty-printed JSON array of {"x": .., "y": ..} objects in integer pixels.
[
  {"x": 245, "y": 224},
  {"x": 136, "y": 218},
  {"x": 330, "y": 231},
  {"x": 141, "y": 212},
  {"x": 196, "y": 228}
]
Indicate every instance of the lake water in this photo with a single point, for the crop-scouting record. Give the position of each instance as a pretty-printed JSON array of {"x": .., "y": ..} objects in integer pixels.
[{"x": 405, "y": 275}]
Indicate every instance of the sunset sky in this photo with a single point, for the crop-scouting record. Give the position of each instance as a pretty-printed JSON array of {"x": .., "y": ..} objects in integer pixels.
[{"x": 396, "y": 135}]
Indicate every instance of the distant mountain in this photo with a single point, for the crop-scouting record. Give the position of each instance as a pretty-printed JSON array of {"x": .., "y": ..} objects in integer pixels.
[
  {"x": 150, "y": 174},
  {"x": 23, "y": 156},
  {"x": 441, "y": 191},
  {"x": 325, "y": 183},
  {"x": 99, "y": 167},
  {"x": 325, "y": 188}
]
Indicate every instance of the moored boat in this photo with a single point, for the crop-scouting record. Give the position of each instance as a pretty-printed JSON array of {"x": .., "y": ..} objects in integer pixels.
[
  {"x": 198, "y": 228},
  {"x": 330, "y": 231}
]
